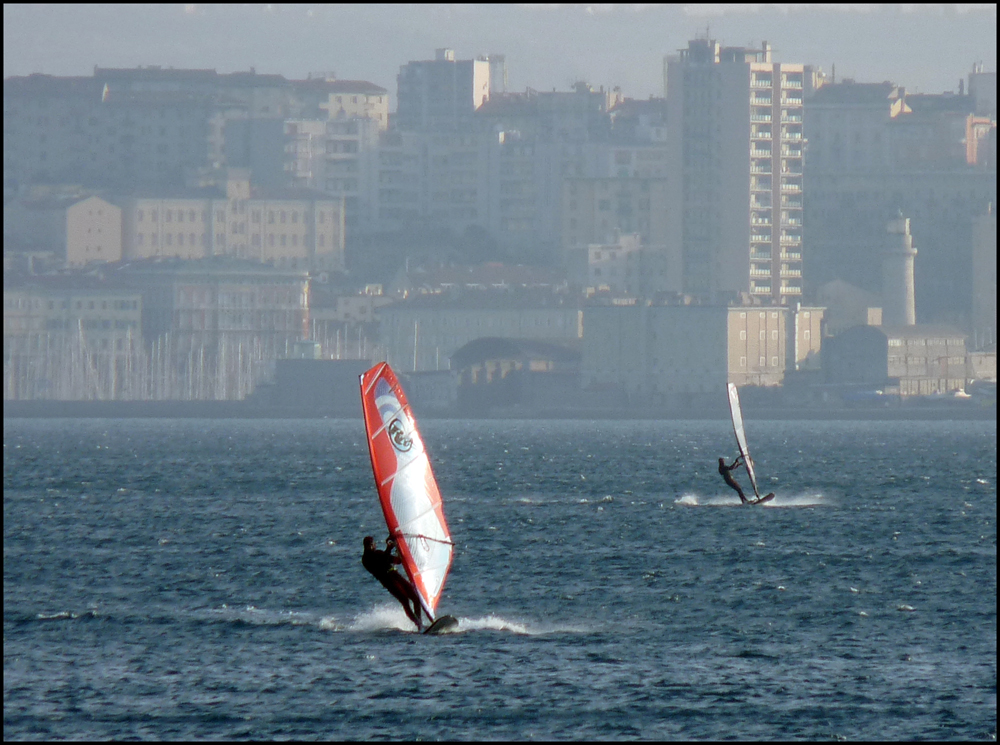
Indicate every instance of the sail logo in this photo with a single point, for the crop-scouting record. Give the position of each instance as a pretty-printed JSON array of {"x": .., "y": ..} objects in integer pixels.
[{"x": 397, "y": 434}]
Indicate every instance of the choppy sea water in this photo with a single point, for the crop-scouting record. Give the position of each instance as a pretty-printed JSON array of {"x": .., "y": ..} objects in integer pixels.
[{"x": 202, "y": 579}]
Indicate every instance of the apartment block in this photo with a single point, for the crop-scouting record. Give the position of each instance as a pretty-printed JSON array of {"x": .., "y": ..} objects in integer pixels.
[
  {"x": 598, "y": 210},
  {"x": 293, "y": 228},
  {"x": 624, "y": 268},
  {"x": 736, "y": 121},
  {"x": 442, "y": 94},
  {"x": 79, "y": 229}
]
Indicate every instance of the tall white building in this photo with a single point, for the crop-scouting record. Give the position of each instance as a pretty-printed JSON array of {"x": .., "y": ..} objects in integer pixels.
[
  {"x": 736, "y": 127},
  {"x": 441, "y": 94}
]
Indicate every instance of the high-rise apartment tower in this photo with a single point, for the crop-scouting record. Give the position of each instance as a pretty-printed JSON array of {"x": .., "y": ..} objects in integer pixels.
[{"x": 735, "y": 133}]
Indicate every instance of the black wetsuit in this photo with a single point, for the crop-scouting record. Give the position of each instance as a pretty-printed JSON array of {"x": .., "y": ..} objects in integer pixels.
[
  {"x": 380, "y": 564},
  {"x": 725, "y": 471}
]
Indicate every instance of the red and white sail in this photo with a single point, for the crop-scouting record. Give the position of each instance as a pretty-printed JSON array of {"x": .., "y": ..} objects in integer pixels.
[{"x": 407, "y": 490}]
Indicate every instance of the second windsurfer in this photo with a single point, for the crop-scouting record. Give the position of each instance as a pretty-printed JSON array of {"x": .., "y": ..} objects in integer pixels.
[
  {"x": 380, "y": 564},
  {"x": 725, "y": 472}
]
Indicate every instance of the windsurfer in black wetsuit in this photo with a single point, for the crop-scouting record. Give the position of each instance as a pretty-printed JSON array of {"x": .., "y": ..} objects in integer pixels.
[
  {"x": 380, "y": 564},
  {"x": 724, "y": 470}
]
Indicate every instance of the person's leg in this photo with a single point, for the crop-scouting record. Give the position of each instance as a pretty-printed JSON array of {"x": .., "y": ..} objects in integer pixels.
[{"x": 399, "y": 588}]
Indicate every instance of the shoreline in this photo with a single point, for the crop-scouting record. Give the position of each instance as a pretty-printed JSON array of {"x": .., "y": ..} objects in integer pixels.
[{"x": 243, "y": 410}]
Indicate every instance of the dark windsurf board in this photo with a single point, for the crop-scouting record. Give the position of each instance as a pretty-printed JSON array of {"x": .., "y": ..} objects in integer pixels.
[
  {"x": 442, "y": 625},
  {"x": 767, "y": 498}
]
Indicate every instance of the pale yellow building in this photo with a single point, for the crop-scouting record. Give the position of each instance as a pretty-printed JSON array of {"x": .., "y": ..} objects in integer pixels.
[
  {"x": 291, "y": 228},
  {"x": 82, "y": 229}
]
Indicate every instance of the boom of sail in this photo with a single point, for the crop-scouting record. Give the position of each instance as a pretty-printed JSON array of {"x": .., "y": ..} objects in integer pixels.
[
  {"x": 408, "y": 493},
  {"x": 741, "y": 438}
]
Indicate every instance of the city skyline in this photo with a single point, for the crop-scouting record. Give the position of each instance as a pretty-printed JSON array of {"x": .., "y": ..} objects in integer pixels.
[{"x": 546, "y": 46}]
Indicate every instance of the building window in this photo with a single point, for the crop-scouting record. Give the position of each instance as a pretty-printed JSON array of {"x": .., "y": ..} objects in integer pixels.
[
  {"x": 743, "y": 335},
  {"x": 763, "y": 362},
  {"x": 774, "y": 335},
  {"x": 774, "y": 362},
  {"x": 743, "y": 361},
  {"x": 763, "y": 335}
]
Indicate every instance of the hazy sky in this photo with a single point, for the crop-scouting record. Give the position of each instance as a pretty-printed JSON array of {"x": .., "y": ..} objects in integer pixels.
[{"x": 927, "y": 48}]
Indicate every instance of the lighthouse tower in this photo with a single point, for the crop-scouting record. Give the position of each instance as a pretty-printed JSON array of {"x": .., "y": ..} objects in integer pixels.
[{"x": 898, "y": 299}]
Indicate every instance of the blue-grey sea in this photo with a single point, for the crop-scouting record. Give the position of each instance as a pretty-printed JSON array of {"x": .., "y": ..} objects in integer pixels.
[{"x": 201, "y": 579}]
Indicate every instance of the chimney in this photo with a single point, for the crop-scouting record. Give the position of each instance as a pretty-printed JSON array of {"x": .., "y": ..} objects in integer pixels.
[{"x": 898, "y": 299}]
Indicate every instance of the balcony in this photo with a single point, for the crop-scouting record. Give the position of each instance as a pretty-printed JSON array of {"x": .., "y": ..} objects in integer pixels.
[
  {"x": 791, "y": 136},
  {"x": 791, "y": 240},
  {"x": 791, "y": 290},
  {"x": 761, "y": 170},
  {"x": 791, "y": 272},
  {"x": 757, "y": 256},
  {"x": 760, "y": 272},
  {"x": 761, "y": 83},
  {"x": 792, "y": 222},
  {"x": 760, "y": 238},
  {"x": 760, "y": 153},
  {"x": 791, "y": 118},
  {"x": 791, "y": 256},
  {"x": 765, "y": 118},
  {"x": 760, "y": 289},
  {"x": 755, "y": 101},
  {"x": 791, "y": 188}
]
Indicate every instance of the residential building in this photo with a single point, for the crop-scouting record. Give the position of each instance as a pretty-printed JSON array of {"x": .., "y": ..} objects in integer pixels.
[
  {"x": 440, "y": 95},
  {"x": 597, "y": 210},
  {"x": 626, "y": 267},
  {"x": 73, "y": 130},
  {"x": 80, "y": 229},
  {"x": 735, "y": 131},
  {"x": 296, "y": 228}
]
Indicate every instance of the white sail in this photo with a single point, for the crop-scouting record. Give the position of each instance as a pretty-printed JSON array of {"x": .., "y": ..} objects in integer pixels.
[{"x": 741, "y": 438}]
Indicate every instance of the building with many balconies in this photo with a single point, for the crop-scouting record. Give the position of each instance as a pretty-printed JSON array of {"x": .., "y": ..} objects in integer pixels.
[{"x": 736, "y": 131}]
